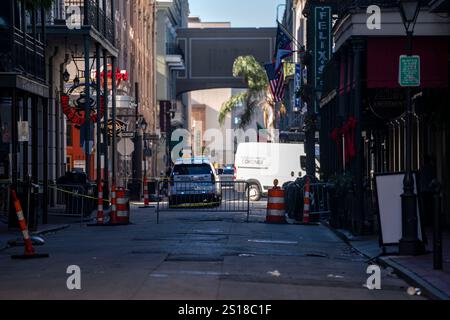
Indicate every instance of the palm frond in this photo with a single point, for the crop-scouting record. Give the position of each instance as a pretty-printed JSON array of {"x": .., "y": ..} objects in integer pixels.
[
  {"x": 254, "y": 75},
  {"x": 231, "y": 104}
]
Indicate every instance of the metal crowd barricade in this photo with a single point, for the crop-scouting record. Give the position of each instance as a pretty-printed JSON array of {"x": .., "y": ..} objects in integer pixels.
[
  {"x": 320, "y": 200},
  {"x": 75, "y": 200},
  {"x": 221, "y": 196}
]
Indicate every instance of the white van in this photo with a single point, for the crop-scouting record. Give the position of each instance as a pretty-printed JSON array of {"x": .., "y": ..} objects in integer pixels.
[{"x": 260, "y": 163}]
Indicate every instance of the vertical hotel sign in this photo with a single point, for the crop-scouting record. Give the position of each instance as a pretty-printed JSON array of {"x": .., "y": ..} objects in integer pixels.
[
  {"x": 297, "y": 86},
  {"x": 322, "y": 52}
]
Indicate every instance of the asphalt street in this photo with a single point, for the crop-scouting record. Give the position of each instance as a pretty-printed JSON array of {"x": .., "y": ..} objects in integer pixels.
[{"x": 194, "y": 254}]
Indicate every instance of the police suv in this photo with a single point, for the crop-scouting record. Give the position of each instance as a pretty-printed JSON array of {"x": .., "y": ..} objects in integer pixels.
[{"x": 194, "y": 181}]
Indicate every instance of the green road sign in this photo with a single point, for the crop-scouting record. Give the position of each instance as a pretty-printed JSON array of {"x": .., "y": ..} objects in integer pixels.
[{"x": 409, "y": 71}]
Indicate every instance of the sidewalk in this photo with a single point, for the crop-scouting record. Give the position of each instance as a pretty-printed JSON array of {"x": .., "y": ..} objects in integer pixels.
[
  {"x": 7, "y": 235},
  {"x": 416, "y": 270}
]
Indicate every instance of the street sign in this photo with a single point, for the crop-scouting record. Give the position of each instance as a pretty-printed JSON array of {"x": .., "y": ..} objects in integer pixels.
[
  {"x": 409, "y": 71},
  {"x": 127, "y": 134},
  {"x": 149, "y": 136},
  {"x": 125, "y": 146},
  {"x": 121, "y": 126}
]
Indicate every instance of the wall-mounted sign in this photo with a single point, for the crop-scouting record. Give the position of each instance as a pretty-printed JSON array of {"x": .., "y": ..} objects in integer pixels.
[
  {"x": 322, "y": 42},
  {"x": 297, "y": 86},
  {"x": 164, "y": 115},
  {"x": 289, "y": 69},
  {"x": 409, "y": 73},
  {"x": 73, "y": 105},
  {"x": 121, "y": 126},
  {"x": 121, "y": 75}
]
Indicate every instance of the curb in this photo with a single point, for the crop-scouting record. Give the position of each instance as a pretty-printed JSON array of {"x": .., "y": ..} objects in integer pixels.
[
  {"x": 51, "y": 229},
  {"x": 40, "y": 233},
  {"x": 409, "y": 276},
  {"x": 413, "y": 278}
]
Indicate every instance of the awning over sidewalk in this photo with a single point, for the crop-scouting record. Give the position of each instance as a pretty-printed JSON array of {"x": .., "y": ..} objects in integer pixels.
[{"x": 383, "y": 61}]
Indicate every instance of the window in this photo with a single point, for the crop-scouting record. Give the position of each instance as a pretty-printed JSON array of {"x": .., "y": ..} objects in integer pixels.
[{"x": 192, "y": 169}]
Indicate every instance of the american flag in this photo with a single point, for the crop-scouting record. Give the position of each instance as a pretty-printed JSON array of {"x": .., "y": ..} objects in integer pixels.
[{"x": 276, "y": 81}]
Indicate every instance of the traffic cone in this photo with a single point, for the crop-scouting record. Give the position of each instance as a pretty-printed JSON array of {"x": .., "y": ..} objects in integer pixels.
[
  {"x": 146, "y": 200},
  {"x": 146, "y": 195},
  {"x": 306, "y": 203},
  {"x": 307, "y": 206},
  {"x": 100, "y": 213},
  {"x": 29, "y": 250}
]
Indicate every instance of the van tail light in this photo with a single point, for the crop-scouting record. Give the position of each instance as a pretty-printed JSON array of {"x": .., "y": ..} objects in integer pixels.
[{"x": 235, "y": 173}]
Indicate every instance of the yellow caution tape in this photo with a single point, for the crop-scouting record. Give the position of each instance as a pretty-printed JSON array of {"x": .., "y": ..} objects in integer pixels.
[{"x": 77, "y": 194}]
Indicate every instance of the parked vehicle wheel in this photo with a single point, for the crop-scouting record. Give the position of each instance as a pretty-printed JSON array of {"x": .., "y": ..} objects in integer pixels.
[{"x": 254, "y": 192}]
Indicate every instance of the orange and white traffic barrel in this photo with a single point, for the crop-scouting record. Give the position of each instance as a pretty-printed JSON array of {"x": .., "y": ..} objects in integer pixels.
[
  {"x": 123, "y": 207},
  {"x": 307, "y": 202},
  {"x": 275, "y": 205},
  {"x": 29, "y": 250},
  {"x": 113, "y": 214}
]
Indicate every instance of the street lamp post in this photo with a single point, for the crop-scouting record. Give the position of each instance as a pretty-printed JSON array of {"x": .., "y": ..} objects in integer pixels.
[{"x": 409, "y": 243}]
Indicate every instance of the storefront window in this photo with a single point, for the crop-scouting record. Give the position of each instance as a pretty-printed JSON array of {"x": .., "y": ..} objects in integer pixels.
[{"x": 5, "y": 137}]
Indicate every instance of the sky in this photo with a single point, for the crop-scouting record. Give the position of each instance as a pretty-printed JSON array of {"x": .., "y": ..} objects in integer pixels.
[{"x": 241, "y": 13}]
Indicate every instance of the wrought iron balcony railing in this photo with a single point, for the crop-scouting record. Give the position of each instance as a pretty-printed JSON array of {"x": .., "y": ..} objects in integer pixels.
[
  {"x": 174, "y": 49},
  {"x": 21, "y": 53},
  {"x": 91, "y": 14}
]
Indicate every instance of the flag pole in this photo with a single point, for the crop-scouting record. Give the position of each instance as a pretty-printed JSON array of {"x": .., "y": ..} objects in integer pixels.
[{"x": 278, "y": 7}]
